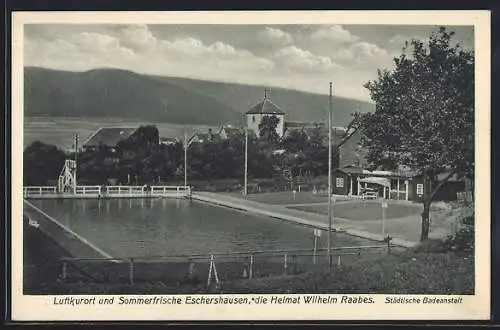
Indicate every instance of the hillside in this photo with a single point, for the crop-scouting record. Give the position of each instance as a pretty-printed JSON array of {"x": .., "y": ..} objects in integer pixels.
[
  {"x": 299, "y": 106},
  {"x": 119, "y": 94},
  {"x": 127, "y": 95}
]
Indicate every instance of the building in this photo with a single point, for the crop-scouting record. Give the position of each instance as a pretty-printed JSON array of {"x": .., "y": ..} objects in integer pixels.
[
  {"x": 228, "y": 131},
  {"x": 166, "y": 141},
  {"x": 107, "y": 137},
  {"x": 354, "y": 181},
  {"x": 265, "y": 108},
  {"x": 399, "y": 185},
  {"x": 201, "y": 137}
]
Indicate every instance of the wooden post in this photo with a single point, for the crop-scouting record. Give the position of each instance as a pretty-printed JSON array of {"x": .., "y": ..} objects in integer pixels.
[
  {"x": 389, "y": 243},
  {"x": 384, "y": 206},
  {"x": 64, "y": 270},
  {"x": 185, "y": 155},
  {"x": 191, "y": 268},
  {"x": 212, "y": 270},
  {"x": 131, "y": 271},
  {"x": 398, "y": 188},
  {"x": 315, "y": 245},
  {"x": 407, "y": 183},
  {"x": 250, "y": 270},
  {"x": 285, "y": 265},
  {"x": 330, "y": 180},
  {"x": 245, "y": 188},
  {"x": 350, "y": 185}
]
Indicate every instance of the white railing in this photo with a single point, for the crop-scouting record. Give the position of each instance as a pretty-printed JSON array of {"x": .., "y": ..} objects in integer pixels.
[
  {"x": 110, "y": 191},
  {"x": 87, "y": 190},
  {"x": 39, "y": 190}
]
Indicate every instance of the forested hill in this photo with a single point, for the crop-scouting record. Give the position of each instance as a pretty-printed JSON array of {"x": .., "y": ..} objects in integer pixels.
[
  {"x": 124, "y": 94},
  {"x": 119, "y": 94},
  {"x": 299, "y": 106}
]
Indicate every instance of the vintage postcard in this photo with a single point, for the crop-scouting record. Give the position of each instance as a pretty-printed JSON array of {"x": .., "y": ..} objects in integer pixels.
[{"x": 316, "y": 165}]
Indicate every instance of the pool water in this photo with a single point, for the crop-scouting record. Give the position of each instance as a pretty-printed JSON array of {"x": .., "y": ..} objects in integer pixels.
[{"x": 162, "y": 227}]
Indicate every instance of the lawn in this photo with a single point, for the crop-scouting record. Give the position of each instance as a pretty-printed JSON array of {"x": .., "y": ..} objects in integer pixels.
[
  {"x": 284, "y": 198},
  {"x": 408, "y": 272},
  {"x": 360, "y": 211}
]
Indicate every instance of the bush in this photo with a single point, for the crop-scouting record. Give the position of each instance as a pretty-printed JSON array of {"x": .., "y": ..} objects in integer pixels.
[
  {"x": 432, "y": 246},
  {"x": 463, "y": 240}
]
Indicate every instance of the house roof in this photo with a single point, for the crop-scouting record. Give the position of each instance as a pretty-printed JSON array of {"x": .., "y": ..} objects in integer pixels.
[
  {"x": 168, "y": 140},
  {"x": 230, "y": 129},
  {"x": 109, "y": 136},
  {"x": 201, "y": 137},
  {"x": 351, "y": 169},
  {"x": 266, "y": 106}
]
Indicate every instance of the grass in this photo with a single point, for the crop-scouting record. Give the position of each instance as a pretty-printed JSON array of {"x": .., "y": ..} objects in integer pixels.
[
  {"x": 363, "y": 211},
  {"x": 284, "y": 198},
  {"x": 408, "y": 272}
]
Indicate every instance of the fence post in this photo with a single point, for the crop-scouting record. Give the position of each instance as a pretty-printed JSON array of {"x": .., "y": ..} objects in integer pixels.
[
  {"x": 250, "y": 270},
  {"x": 388, "y": 243},
  {"x": 191, "y": 269},
  {"x": 285, "y": 265},
  {"x": 131, "y": 271},
  {"x": 64, "y": 270},
  {"x": 339, "y": 262}
]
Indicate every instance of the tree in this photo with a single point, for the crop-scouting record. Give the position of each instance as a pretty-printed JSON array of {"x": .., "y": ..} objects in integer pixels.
[
  {"x": 267, "y": 129},
  {"x": 296, "y": 141},
  {"x": 42, "y": 162},
  {"x": 424, "y": 115},
  {"x": 144, "y": 139}
]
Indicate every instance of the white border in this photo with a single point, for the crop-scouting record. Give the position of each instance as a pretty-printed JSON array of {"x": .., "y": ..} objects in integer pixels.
[{"x": 39, "y": 308}]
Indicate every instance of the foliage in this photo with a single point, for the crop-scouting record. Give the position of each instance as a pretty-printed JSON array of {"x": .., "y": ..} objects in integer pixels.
[
  {"x": 144, "y": 139},
  {"x": 42, "y": 162},
  {"x": 141, "y": 159},
  {"x": 424, "y": 116},
  {"x": 463, "y": 240},
  {"x": 267, "y": 129}
]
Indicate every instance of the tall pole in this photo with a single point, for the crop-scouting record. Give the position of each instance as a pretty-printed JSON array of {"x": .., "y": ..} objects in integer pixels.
[
  {"x": 76, "y": 159},
  {"x": 185, "y": 156},
  {"x": 246, "y": 161},
  {"x": 330, "y": 180}
]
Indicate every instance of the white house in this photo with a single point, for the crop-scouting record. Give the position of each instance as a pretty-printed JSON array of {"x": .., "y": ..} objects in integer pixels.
[{"x": 263, "y": 109}]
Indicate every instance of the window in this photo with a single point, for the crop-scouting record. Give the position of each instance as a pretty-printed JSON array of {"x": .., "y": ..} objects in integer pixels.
[
  {"x": 420, "y": 189},
  {"x": 339, "y": 182}
]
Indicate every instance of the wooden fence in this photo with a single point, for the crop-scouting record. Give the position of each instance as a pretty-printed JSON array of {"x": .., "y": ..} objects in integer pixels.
[{"x": 205, "y": 269}]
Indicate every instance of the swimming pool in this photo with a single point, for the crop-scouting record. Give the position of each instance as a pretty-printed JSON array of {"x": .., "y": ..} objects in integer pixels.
[{"x": 162, "y": 227}]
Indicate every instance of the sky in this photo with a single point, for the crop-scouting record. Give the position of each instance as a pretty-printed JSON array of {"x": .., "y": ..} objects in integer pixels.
[{"x": 302, "y": 57}]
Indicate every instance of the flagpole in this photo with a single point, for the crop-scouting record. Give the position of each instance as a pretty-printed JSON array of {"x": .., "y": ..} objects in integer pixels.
[
  {"x": 246, "y": 161},
  {"x": 185, "y": 156},
  {"x": 76, "y": 160},
  {"x": 330, "y": 180}
]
